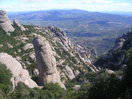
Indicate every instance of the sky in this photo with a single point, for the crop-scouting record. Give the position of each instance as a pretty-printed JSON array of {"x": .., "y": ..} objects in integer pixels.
[{"x": 89, "y": 5}]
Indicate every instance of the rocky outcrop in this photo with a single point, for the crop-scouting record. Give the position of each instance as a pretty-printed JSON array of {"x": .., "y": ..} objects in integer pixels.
[
  {"x": 116, "y": 57},
  {"x": 17, "y": 24},
  {"x": 118, "y": 44},
  {"x": 46, "y": 61},
  {"x": 62, "y": 36},
  {"x": 18, "y": 73},
  {"x": 28, "y": 46},
  {"x": 88, "y": 56},
  {"x": 77, "y": 87},
  {"x": 5, "y": 23},
  {"x": 69, "y": 73}
]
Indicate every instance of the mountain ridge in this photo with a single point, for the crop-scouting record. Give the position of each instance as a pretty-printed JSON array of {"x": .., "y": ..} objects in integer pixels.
[{"x": 79, "y": 25}]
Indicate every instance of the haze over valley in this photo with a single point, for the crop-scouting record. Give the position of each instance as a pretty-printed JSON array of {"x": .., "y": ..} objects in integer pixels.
[
  {"x": 65, "y": 49},
  {"x": 90, "y": 29}
]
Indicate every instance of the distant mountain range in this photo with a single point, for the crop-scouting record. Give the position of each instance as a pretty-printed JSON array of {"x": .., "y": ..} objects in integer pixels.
[
  {"x": 92, "y": 29},
  {"x": 120, "y": 13}
]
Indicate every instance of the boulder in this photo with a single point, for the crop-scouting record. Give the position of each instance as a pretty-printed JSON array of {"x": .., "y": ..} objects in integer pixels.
[
  {"x": 109, "y": 71},
  {"x": 69, "y": 73},
  {"x": 36, "y": 72},
  {"x": 77, "y": 87},
  {"x": 32, "y": 56},
  {"x": 28, "y": 46},
  {"x": 5, "y": 23},
  {"x": 17, "y": 24},
  {"x": 18, "y": 58},
  {"x": 9, "y": 45},
  {"x": 46, "y": 61},
  {"x": 76, "y": 72},
  {"x": 18, "y": 73}
]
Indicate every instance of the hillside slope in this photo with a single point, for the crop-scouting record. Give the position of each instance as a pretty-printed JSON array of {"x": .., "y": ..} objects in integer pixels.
[
  {"x": 119, "y": 55},
  {"x": 92, "y": 29},
  {"x": 46, "y": 52}
]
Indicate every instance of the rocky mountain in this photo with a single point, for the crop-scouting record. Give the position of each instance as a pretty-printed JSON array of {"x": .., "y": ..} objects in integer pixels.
[
  {"x": 38, "y": 55},
  {"x": 118, "y": 55},
  {"x": 89, "y": 29},
  {"x": 42, "y": 63}
]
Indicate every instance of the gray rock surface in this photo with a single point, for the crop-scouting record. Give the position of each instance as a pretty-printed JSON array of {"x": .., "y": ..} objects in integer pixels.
[
  {"x": 46, "y": 61},
  {"x": 16, "y": 23},
  {"x": 32, "y": 56},
  {"x": 28, "y": 46},
  {"x": 77, "y": 87},
  {"x": 5, "y": 23},
  {"x": 36, "y": 72},
  {"x": 119, "y": 44},
  {"x": 18, "y": 73},
  {"x": 62, "y": 36},
  {"x": 109, "y": 71},
  {"x": 69, "y": 73}
]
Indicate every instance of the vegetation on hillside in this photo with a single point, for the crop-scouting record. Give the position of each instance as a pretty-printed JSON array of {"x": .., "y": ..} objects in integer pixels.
[
  {"x": 90, "y": 29},
  {"x": 100, "y": 85}
]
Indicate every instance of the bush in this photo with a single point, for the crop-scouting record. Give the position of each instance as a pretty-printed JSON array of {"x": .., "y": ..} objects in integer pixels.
[{"x": 5, "y": 77}]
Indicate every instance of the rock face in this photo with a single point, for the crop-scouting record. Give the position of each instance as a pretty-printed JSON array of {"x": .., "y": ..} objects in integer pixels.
[
  {"x": 119, "y": 44},
  {"x": 28, "y": 46},
  {"x": 62, "y": 36},
  {"x": 16, "y": 23},
  {"x": 116, "y": 57},
  {"x": 18, "y": 73},
  {"x": 46, "y": 61},
  {"x": 5, "y": 23},
  {"x": 87, "y": 56},
  {"x": 84, "y": 54},
  {"x": 69, "y": 73}
]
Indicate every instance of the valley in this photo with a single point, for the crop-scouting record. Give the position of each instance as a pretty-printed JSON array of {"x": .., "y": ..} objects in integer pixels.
[
  {"x": 39, "y": 60},
  {"x": 90, "y": 29}
]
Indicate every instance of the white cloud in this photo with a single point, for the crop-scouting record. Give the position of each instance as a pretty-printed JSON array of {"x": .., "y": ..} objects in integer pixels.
[
  {"x": 122, "y": 4},
  {"x": 37, "y": 0},
  {"x": 96, "y": 1},
  {"x": 91, "y": 5}
]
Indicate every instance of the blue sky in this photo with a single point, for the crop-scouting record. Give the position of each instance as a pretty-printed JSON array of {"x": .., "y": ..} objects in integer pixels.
[{"x": 90, "y": 5}]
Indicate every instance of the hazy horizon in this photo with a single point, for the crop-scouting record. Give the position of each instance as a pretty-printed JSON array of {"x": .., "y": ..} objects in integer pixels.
[{"x": 88, "y": 5}]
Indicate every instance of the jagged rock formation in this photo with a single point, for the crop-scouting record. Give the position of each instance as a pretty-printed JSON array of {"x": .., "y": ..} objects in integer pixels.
[
  {"x": 46, "y": 61},
  {"x": 18, "y": 73},
  {"x": 62, "y": 36},
  {"x": 5, "y": 23},
  {"x": 118, "y": 44},
  {"x": 116, "y": 57},
  {"x": 69, "y": 72},
  {"x": 87, "y": 56},
  {"x": 57, "y": 59},
  {"x": 17, "y": 24}
]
